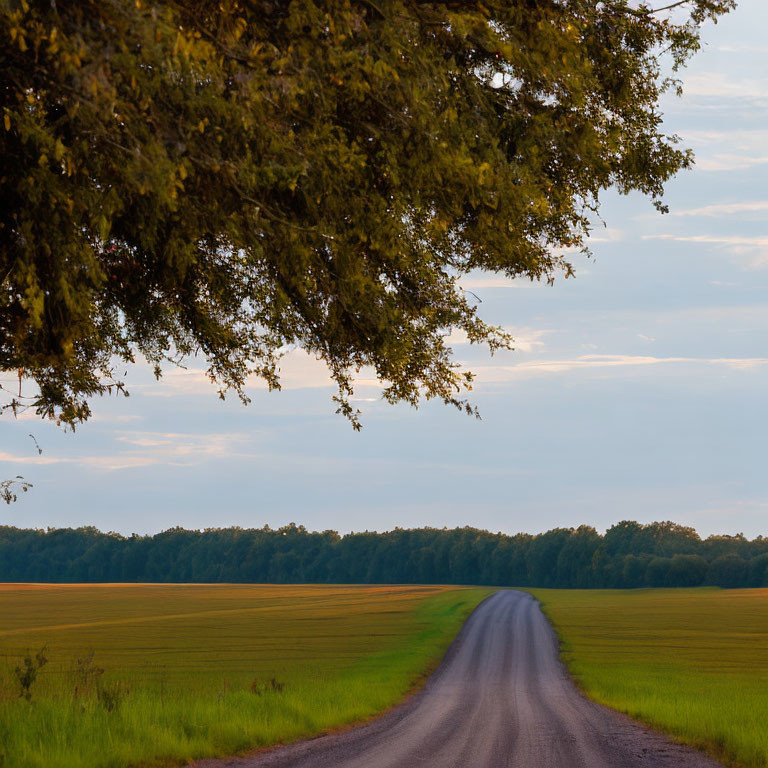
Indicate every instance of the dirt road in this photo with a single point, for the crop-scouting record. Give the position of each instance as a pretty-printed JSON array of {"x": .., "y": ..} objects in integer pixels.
[{"x": 500, "y": 699}]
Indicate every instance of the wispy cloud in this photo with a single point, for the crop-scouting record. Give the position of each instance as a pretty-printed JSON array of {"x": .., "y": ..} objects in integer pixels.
[
  {"x": 525, "y": 339},
  {"x": 607, "y": 235},
  {"x": 725, "y": 209},
  {"x": 146, "y": 449},
  {"x": 176, "y": 381},
  {"x": 731, "y": 150},
  {"x": 738, "y": 138},
  {"x": 297, "y": 370},
  {"x": 760, "y": 241},
  {"x": 184, "y": 443},
  {"x": 528, "y": 339},
  {"x": 754, "y": 249},
  {"x": 728, "y": 161},
  {"x": 493, "y": 374},
  {"x": 742, "y": 49},
  {"x": 106, "y": 462},
  {"x": 481, "y": 281},
  {"x": 725, "y": 88}
]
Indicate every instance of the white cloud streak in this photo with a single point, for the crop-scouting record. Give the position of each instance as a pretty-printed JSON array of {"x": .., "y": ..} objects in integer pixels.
[
  {"x": 725, "y": 88},
  {"x": 524, "y": 339},
  {"x": 533, "y": 368},
  {"x": 483, "y": 281},
  {"x": 153, "y": 448},
  {"x": 755, "y": 249},
  {"x": 727, "y": 150},
  {"x": 725, "y": 209},
  {"x": 739, "y": 240}
]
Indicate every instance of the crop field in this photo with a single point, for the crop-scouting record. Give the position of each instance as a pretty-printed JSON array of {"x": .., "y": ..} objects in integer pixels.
[
  {"x": 691, "y": 662},
  {"x": 160, "y": 674}
]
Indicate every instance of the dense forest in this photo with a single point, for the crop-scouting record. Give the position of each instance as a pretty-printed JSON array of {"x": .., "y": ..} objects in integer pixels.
[{"x": 627, "y": 555}]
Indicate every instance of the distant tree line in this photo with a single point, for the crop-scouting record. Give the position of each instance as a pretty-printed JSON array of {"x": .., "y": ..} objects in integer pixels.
[{"x": 628, "y": 555}]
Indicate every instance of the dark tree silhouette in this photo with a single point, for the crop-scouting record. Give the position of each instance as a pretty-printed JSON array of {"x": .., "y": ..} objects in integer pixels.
[{"x": 565, "y": 557}]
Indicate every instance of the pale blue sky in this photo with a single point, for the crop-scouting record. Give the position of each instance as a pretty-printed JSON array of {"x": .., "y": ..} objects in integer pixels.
[{"x": 638, "y": 390}]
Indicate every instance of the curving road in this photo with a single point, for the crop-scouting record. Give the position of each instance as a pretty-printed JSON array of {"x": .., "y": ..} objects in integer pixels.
[{"x": 500, "y": 699}]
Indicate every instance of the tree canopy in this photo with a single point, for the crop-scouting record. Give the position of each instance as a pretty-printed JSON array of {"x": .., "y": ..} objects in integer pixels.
[
  {"x": 236, "y": 178},
  {"x": 628, "y": 555}
]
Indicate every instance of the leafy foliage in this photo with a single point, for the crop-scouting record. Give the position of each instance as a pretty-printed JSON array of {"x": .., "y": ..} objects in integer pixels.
[
  {"x": 237, "y": 178},
  {"x": 627, "y": 555},
  {"x": 9, "y": 489}
]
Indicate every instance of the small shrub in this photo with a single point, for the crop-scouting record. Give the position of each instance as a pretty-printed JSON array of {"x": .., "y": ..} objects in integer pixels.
[
  {"x": 268, "y": 686},
  {"x": 112, "y": 695},
  {"x": 27, "y": 674},
  {"x": 84, "y": 675}
]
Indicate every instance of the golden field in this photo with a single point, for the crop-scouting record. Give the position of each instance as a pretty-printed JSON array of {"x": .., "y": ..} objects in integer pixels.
[{"x": 188, "y": 669}]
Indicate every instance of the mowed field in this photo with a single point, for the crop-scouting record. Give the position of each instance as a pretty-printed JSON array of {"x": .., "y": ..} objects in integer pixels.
[
  {"x": 200, "y": 670},
  {"x": 691, "y": 662}
]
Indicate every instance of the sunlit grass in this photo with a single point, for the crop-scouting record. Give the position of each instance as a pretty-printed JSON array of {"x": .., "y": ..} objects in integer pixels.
[
  {"x": 692, "y": 662},
  {"x": 189, "y": 654}
]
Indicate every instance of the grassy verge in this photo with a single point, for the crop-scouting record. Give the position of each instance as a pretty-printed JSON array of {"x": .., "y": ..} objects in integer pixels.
[
  {"x": 691, "y": 662},
  {"x": 193, "y": 671}
]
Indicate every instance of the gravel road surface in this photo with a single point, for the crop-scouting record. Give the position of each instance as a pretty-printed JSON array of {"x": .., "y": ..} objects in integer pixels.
[{"x": 500, "y": 699}]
